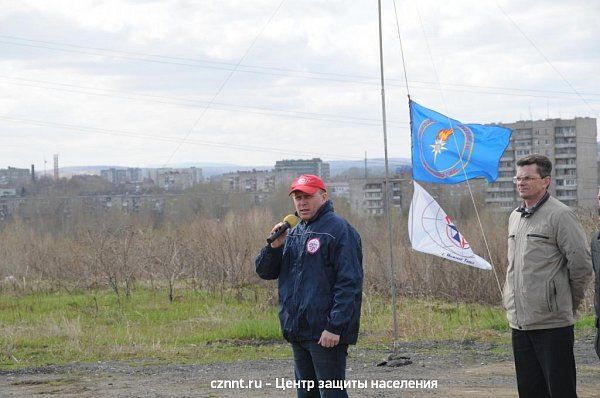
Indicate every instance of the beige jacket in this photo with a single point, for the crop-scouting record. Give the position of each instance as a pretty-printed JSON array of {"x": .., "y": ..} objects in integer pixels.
[{"x": 549, "y": 267}]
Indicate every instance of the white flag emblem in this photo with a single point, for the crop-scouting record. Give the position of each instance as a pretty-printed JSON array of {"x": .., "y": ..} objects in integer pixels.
[{"x": 432, "y": 231}]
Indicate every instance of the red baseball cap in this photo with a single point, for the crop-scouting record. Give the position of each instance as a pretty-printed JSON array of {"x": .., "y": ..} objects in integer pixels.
[{"x": 307, "y": 183}]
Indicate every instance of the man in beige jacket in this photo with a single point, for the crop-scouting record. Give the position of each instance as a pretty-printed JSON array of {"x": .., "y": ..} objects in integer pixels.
[{"x": 549, "y": 266}]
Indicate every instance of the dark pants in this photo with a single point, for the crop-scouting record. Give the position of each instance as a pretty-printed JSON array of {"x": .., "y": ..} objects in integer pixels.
[
  {"x": 545, "y": 362},
  {"x": 597, "y": 341},
  {"x": 314, "y": 362}
]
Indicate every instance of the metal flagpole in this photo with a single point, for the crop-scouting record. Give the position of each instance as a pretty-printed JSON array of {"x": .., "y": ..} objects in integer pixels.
[{"x": 387, "y": 185}]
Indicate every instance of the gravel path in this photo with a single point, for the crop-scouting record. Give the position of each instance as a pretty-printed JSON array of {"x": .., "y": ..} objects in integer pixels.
[{"x": 461, "y": 370}]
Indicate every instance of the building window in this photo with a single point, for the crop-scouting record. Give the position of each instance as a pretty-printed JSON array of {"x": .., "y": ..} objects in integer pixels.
[
  {"x": 522, "y": 133},
  {"x": 561, "y": 131}
]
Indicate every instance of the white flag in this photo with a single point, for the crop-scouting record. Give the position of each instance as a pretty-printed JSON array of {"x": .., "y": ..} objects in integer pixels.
[{"x": 432, "y": 231}]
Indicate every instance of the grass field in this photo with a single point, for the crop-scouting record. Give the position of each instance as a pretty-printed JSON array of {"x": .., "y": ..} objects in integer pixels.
[{"x": 56, "y": 328}]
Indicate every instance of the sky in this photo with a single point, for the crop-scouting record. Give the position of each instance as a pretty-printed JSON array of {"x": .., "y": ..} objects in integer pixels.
[{"x": 163, "y": 82}]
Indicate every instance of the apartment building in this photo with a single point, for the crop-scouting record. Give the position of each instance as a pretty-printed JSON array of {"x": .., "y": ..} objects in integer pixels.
[
  {"x": 122, "y": 176},
  {"x": 177, "y": 179},
  {"x": 339, "y": 189},
  {"x": 264, "y": 181},
  {"x": 367, "y": 195},
  {"x": 304, "y": 166},
  {"x": 14, "y": 177},
  {"x": 570, "y": 145}
]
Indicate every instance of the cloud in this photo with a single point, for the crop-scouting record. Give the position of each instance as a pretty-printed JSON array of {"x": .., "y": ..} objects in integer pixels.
[{"x": 137, "y": 76}]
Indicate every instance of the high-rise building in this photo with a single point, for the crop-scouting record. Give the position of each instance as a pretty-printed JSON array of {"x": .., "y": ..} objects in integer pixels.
[
  {"x": 570, "y": 145},
  {"x": 340, "y": 189},
  {"x": 304, "y": 166},
  {"x": 122, "y": 176},
  {"x": 367, "y": 195},
  {"x": 264, "y": 181},
  {"x": 14, "y": 177},
  {"x": 177, "y": 179},
  {"x": 257, "y": 184}
]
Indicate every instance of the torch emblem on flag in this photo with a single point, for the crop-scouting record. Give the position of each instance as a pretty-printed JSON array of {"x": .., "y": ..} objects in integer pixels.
[{"x": 440, "y": 142}]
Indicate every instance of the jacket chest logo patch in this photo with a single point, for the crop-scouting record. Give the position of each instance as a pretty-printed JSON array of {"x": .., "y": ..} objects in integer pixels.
[{"x": 313, "y": 245}]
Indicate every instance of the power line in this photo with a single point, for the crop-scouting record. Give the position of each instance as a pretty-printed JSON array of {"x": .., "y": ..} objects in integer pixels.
[
  {"x": 546, "y": 59},
  {"x": 164, "y": 138},
  {"x": 265, "y": 70},
  {"x": 226, "y": 81},
  {"x": 180, "y": 101},
  {"x": 191, "y": 102}
]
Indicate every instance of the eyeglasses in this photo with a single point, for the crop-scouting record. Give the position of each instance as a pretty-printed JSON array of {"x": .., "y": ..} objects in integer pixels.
[{"x": 525, "y": 179}]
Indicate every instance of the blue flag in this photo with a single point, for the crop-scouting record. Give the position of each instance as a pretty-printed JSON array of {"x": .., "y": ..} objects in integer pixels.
[{"x": 445, "y": 151}]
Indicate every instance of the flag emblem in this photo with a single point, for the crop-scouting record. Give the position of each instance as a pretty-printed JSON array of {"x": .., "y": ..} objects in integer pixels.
[
  {"x": 454, "y": 235},
  {"x": 446, "y": 151},
  {"x": 435, "y": 135}
]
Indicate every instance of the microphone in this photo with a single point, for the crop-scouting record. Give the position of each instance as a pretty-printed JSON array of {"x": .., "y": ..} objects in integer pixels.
[{"x": 289, "y": 221}]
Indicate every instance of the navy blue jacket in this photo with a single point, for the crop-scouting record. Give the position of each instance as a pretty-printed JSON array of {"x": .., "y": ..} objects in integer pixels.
[{"x": 320, "y": 278}]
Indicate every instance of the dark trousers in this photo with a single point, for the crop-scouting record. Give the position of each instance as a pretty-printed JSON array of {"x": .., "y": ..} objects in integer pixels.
[
  {"x": 314, "y": 362},
  {"x": 545, "y": 362},
  {"x": 597, "y": 341}
]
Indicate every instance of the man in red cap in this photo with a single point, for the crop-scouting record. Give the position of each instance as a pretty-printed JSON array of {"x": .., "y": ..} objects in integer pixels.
[
  {"x": 309, "y": 193},
  {"x": 318, "y": 265}
]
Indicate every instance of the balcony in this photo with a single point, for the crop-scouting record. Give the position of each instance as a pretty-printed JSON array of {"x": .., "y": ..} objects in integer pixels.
[
  {"x": 524, "y": 145},
  {"x": 565, "y": 166},
  {"x": 566, "y": 173},
  {"x": 506, "y": 168},
  {"x": 501, "y": 189},
  {"x": 565, "y": 155},
  {"x": 567, "y": 190},
  {"x": 560, "y": 183},
  {"x": 499, "y": 200},
  {"x": 519, "y": 135},
  {"x": 564, "y": 134},
  {"x": 566, "y": 197},
  {"x": 505, "y": 179},
  {"x": 566, "y": 145},
  {"x": 570, "y": 189},
  {"x": 492, "y": 189}
]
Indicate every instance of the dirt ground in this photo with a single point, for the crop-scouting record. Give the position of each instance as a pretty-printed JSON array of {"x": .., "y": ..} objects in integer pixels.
[{"x": 461, "y": 370}]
